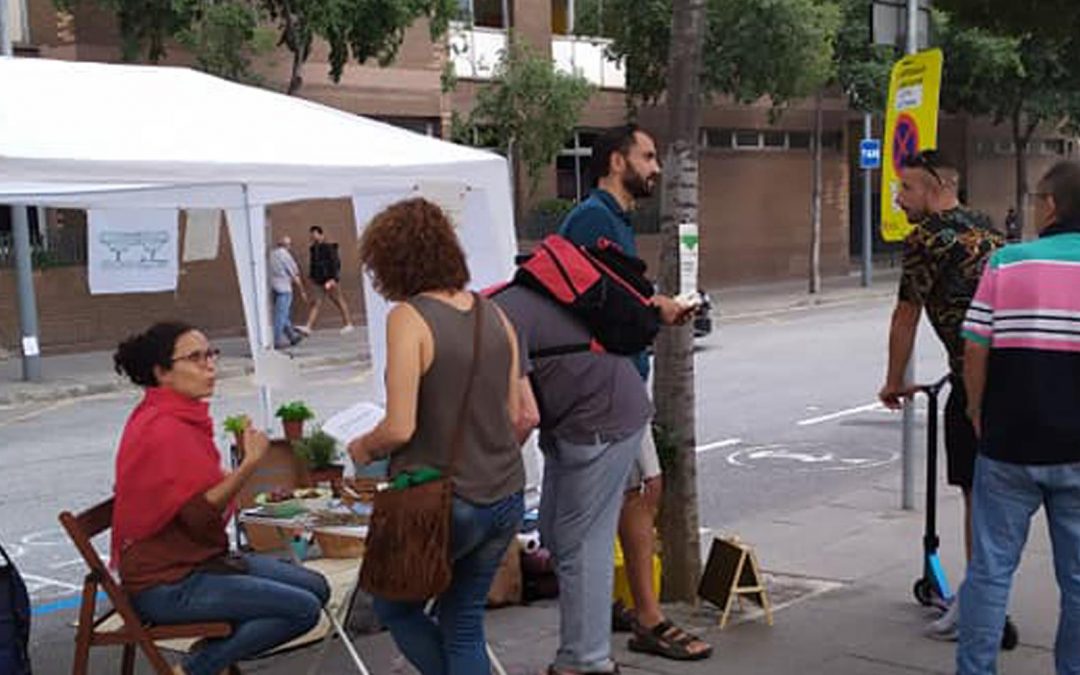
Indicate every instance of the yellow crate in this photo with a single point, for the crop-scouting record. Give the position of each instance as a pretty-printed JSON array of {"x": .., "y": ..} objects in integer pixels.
[{"x": 622, "y": 585}]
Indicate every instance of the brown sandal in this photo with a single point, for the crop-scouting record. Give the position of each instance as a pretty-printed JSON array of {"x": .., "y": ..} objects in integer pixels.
[{"x": 669, "y": 641}]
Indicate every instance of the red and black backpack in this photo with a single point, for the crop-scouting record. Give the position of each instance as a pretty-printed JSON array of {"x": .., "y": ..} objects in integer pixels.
[{"x": 602, "y": 286}]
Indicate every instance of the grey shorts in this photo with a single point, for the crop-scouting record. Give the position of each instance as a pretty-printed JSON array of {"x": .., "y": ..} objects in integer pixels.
[{"x": 647, "y": 465}]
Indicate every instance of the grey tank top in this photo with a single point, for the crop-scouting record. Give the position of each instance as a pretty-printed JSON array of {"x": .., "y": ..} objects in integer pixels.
[{"x": 489, "y": 466}]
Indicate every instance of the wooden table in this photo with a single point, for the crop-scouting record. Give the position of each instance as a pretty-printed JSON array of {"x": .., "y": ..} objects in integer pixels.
[{"x": 285, "y": 527}]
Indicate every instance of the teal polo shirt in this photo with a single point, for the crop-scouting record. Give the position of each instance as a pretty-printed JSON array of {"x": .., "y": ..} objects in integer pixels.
[{"x": 600, "y": 217}]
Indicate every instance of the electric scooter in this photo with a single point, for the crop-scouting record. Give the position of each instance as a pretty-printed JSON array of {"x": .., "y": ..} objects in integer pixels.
[{"x": 932, "y": 588}]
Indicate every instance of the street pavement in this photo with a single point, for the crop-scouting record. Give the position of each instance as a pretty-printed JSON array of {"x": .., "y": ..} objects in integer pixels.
[{"x": 793, "y": 457}]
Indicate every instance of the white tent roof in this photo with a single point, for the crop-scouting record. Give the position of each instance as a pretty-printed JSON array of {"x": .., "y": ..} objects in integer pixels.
[
  {"x": 91, "y": 123},
  {"x": 93, "y": 135}
]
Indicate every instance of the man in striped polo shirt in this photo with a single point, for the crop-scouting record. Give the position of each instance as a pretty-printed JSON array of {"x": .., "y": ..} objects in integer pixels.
[{"x": 1022, "y": 375}]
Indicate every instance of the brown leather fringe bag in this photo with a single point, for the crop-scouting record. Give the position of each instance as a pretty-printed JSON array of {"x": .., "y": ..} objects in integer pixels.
[{"x": 407, "y": 551}]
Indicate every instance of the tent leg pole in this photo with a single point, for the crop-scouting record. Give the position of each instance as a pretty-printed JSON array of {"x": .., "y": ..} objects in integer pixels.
[{"x": 265, "y": 400}]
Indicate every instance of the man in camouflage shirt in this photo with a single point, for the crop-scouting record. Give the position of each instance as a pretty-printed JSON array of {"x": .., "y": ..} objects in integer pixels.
[{"x": 943, "y": 260}]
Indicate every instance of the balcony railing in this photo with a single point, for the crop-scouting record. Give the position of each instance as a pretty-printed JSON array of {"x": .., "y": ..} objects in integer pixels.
[{"x": 476, "y": 53}]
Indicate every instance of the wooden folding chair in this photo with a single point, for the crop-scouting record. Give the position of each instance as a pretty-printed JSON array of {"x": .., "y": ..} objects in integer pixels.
[{"x": 133, "y": 632}]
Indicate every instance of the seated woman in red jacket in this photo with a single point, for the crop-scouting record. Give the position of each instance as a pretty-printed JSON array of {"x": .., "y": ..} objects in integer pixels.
[{"x": 172, "y": 502}]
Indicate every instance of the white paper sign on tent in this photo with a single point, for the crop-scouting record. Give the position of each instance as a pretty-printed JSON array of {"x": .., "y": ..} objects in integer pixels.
[
  {"x": 448, "y": 195},
  {"x": 202, "y": 235},
  {"x": 132, "y": 250}
]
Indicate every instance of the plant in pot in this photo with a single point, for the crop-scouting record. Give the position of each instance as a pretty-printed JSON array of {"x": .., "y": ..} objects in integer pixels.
[
  {"x": 318, "y": 452},
  {"x": 235, "y": 425},
  {"x": 293, "y": 415}
]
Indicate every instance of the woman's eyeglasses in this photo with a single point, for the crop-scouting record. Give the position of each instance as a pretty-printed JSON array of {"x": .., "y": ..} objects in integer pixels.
[{"x": 200, "y": 357}]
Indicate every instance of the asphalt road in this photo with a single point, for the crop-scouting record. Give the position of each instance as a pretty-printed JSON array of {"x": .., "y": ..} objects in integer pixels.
[{"x": 785, "y": 419}]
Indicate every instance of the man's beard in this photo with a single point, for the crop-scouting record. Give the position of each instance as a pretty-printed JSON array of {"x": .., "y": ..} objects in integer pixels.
[
  {"x": 916, "y": 216},
  {"x": 637, "y": 185}
]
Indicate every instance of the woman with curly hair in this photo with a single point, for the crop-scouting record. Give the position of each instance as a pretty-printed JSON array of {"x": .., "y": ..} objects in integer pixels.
[{"x": 414, "y": 257}]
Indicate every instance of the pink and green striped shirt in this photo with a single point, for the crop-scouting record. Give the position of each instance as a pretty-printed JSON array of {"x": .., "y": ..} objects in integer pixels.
[{"x": 1027, "y": 311}]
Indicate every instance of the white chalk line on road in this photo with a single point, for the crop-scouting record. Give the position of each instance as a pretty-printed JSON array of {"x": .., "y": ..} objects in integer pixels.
[
  {"x": 40, "y": 582},
  {"x": 726, "y": 443},
  {"x": 870, "y": 407}
]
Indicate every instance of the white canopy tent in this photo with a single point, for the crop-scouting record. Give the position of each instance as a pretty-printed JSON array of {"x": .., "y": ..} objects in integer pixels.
[{"x": 89, "y": 135}]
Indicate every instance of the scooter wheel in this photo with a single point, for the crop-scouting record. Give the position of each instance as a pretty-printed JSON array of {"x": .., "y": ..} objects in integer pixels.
[
  {"x": 923, "y": 592},
  {"x": 1010, "y": 637}
]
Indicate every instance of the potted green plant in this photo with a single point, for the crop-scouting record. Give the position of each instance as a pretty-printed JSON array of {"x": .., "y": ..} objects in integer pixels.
[
  {"x": 293, "y": 415},
  {"x": 318, "y": 452},
  {"x": 235, "y": 425}
]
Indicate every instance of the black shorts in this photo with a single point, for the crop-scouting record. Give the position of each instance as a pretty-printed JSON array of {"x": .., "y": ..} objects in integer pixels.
[{"x": 961, "y": 445}]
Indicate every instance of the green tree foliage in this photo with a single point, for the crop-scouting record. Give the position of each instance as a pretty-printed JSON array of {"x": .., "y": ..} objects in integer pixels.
[
  {"x": 527, "y": 111},
  {"x": 1023, "y": 79},
  {"x": 221, "y": 34},
  {"x": 1058, "y": 18},
  {"x": 862, "y": 68},
  {"x": 224, "y": 38},
  {"x": 780, "y": 49}
]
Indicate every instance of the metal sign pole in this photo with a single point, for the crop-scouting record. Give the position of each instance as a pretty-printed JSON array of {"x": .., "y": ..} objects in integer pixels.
[
  {"x": 907, "y": 500},
  {"x": 867, "y": 214},
  {"x": 20, "y": 231}
]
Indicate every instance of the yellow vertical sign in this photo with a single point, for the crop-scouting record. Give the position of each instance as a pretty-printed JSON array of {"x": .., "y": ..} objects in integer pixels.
[{"x": 911, "y": 125}]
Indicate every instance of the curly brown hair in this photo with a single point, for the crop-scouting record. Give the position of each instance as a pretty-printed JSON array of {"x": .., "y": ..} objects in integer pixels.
[{"x": 410, "y": 247}]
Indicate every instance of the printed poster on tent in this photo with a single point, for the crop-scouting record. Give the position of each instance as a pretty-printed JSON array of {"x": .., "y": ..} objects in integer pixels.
[{"x": 132, "y": 250}]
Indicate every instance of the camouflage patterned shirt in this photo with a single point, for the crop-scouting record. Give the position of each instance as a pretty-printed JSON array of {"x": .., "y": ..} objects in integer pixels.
[{"x": 943, "y": 261}]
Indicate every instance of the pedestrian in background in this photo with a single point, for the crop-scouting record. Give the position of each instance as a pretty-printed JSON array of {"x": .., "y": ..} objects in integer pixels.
[
  {"x": 284, "y": 275},
  {"x": 324, "y": 270}
]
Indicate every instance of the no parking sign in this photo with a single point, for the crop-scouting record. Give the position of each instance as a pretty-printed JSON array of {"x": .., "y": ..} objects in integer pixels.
[{"x": 911, "y": 125}]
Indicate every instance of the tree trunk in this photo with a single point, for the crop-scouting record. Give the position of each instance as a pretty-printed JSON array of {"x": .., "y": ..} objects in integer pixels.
[
  {"x": 1021, "y": 138},
  {"x": 673, "y": 388},
  {"x": 295, "y": 80},
  {"x": 815, "y": 205}
]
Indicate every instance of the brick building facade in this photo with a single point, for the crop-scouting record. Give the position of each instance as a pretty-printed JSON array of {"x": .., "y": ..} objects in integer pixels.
[{"x": 756, "y": 173}]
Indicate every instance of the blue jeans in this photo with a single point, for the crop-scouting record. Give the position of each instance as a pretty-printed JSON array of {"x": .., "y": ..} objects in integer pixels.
[
  {"x": 273, "y": 603},
  {"x": 1005, "y": 497},
  {"x": 283, "y": 328},
  {"x": 453, "y": 642}
]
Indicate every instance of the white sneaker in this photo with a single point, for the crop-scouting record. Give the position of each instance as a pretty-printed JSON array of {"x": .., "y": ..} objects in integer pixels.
[
  {"x": 348, "y": 329},
  {"x": 946, "y": 628},
  {"x": 304, "y": 330}
]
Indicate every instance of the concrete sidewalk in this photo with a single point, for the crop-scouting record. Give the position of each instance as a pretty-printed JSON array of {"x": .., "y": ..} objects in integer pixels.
[
  {"x": 89, "y": 373},
  {"x": 73, "y": 375},
  {"x": 841, "y": 574}
]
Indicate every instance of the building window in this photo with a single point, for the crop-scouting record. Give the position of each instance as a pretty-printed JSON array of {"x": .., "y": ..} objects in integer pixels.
[
  {"x": 776, "y": 140},
  {"x": 747, "y": 140},
  {"x": 485, "y": 13},
  {"x": 771, "y": 140},
  {"x": 1055, "y": 146},
  {"x": 585, "y": 18},
  {"x": 562, "y": 17},
  {"x": 572, "y": 166},
  {"x": 427, "y": 126},
  {"x": 17, "y": 22},
  {"x": 800, "y": 140}
]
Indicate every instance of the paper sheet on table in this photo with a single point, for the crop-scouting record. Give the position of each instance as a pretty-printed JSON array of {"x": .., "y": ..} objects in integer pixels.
[{"x": 353, "y": 421}]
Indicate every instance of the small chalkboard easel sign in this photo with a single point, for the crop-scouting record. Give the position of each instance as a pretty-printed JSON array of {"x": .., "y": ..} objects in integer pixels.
[{"x": 733, "y": 572}]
